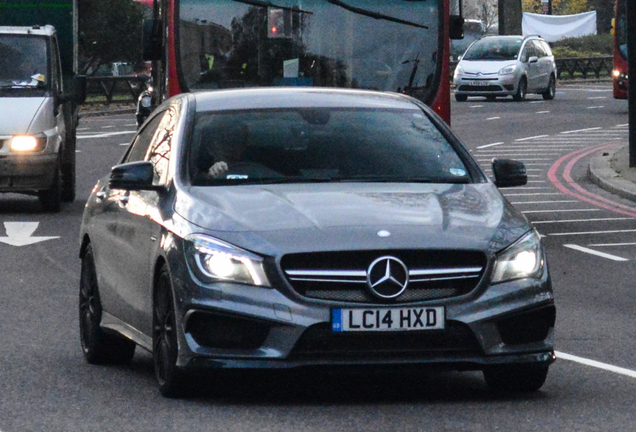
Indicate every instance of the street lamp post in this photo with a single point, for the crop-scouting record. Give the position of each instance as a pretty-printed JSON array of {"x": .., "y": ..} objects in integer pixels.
[{"x": 631, "y": 71}]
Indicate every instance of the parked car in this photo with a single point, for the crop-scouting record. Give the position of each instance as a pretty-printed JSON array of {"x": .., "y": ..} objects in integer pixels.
[
  {"x": 293, "y": 227},
  {"x": 506, "y": 66}
]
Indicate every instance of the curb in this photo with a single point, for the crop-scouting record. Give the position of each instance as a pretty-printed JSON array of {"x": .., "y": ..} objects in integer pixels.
[
  {"x": 603, "y": 175},
  {"x": 107, "y": 112}
]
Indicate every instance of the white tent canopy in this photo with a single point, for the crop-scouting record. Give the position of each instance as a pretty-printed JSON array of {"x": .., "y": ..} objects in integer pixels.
[{"x": 555, "y": 27}]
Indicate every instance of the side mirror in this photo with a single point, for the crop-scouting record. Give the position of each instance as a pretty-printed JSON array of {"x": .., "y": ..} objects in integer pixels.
[
  {"x": 456, "y": 27},
  {"x": 533, "y": 59},
  {"x": 133, "y": 176},
  {"x": 151, "y": 40},
  {"x": 509, "y": 173},
  {"x": 79, "y": 88}
]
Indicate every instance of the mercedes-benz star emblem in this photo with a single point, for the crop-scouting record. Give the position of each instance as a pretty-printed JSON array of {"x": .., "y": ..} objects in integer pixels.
[{"x": 387, "y": 277}]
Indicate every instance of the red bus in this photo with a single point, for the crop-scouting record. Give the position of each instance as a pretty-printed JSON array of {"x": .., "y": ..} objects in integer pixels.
[
  {"x": 387, "y": 45},
  {"x": 620, "y": 50}
]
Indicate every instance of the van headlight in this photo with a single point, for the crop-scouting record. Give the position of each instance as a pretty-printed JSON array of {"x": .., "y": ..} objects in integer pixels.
[
  {"x": 507, "y": 70},
  {"x": 523, "y": 259},
  {"x": 212, "y": 260},
  {"x": 27, "y": 143}
]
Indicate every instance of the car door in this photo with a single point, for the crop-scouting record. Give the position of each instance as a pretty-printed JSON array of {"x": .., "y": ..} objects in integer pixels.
[
  {"x": 107, "y": 235},
  {"x": 139, "y": 229},
  {"x": 533, "y": 72}
]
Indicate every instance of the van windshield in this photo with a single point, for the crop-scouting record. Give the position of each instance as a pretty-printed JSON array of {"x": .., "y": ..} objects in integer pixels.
[
  {"x": 494, "y": 48},
  {"x": 23, "y": 62}
]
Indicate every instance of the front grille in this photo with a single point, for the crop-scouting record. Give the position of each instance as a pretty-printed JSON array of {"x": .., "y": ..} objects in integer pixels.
[
  {"x": 319, "y": 341},
  {"x": 488, "y": 88},
  {"x": 342, "y": 276}
]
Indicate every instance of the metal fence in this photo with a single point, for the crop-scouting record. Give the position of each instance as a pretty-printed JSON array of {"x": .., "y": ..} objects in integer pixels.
[
  {"x": 577, "y": 68},
  {"x": 111, "y": 89}
]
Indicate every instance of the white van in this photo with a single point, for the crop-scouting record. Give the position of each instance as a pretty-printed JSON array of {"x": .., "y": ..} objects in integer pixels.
[{"x": 38, "y": 117}]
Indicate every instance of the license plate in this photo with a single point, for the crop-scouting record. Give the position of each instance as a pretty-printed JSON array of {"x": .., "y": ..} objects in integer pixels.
[
  {"x": 388, "y": 319},
  {"x": 475, "y": 83}
]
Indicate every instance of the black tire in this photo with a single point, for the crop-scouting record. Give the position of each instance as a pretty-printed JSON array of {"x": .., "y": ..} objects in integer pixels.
[
  {"x": 68, "y": 181},
  {"x": 461, "y": 98},
  {"x": 522, "y": 90},
  {"x": 98, "y": 347},
  {"x": 515, "y": 378},
  {"x": 551, "y": 90},
  {"x": 51, "y": 199},
  {"x": 172, "y": 381}
]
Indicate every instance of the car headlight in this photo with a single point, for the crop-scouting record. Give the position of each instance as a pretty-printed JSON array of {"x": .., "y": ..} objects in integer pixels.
[
  {"x": 27, "y": 143},
  {"x": 459, "y": 71},
  {"x": 146, "y": 101},
  {"x": 524, "y": 259},
  {"x": 212, "y": 260},
  {"x": 507, "y": 70}
]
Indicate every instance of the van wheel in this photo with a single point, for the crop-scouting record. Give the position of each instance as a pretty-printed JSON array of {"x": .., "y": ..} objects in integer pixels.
[
  {"x": 68, "y": 182},
  {"x": 551, "y": 91},
  {"x": 51, "y": 199},
  {"x": 522, "y": 89}
]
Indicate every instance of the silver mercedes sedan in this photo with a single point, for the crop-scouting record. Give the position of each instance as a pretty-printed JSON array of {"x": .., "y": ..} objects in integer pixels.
[{"x": 301, "y": 227}]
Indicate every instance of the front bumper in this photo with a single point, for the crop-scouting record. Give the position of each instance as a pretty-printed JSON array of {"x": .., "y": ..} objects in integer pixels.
[
  {"x": 244, "y": 327},
  {"x": 27, "y": 172},
  {"x": 504, "y": 85}
]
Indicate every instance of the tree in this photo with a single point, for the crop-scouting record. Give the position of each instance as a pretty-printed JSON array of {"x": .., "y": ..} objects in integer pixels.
[
  {"x": 109, "y": 31},
  {"x": 482, "y": 10}
]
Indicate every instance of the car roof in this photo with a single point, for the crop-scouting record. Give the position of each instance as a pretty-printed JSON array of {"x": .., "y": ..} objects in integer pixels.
[{"x": 299, "y": 97}]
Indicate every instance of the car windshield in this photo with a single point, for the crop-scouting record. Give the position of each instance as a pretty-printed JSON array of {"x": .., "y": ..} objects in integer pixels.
[
  {"x": 23, "y": 61},
  {"x": 321, "y": 145},
  {"x": 494, "y": 48}
]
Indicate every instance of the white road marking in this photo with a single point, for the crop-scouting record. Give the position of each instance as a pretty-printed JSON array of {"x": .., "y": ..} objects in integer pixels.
[
  {"x": 476, "y": 106},
  {"x": 593, "y": 232},
  {"x": 493, "y": 118},
  {"x": 542, "y": 112},
  {"x": 531, "y": 138},
  {"x": 581, "y": 130},
  {"x": 20, "y": 234},
  {"x": 546, "y": 202},
  {"x": 596, "y": 364},
  {"x": 106, "y": 134},
  {"x": 611, "y": 244},
  {"x": 582, "y": 220},
  {"x": 593, "y": 252},
  {"x": 596, "y": 107},
  {"x": 559, "y": 211},
  {"x": 598, "y": 97}
]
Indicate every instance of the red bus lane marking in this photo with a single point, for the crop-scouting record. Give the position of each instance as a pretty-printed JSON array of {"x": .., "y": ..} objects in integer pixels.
[{"x": 578, "y": 191}]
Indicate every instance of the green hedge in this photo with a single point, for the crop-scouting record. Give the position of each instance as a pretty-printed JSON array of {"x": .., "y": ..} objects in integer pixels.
[{"x": 585, "y": 46}]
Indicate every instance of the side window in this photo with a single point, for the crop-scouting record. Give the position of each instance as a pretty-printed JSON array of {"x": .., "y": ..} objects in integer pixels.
[
  {"x": 142, "y": 141},
  {"x": 159, "y": 153},
  {"x": 56, "y": 74},
  {"x": 538, "y": 46},
  {"x": 546, "y": 48}
]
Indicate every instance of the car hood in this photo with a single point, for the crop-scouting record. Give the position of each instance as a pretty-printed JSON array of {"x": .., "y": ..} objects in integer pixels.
[
  {"x": 20, "y": 114},
  {"x": 484, "y": 66},
  {"x": 278, "y": 219}
]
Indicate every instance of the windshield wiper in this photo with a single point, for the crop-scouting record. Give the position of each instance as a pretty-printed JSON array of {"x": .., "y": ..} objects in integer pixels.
[
  {"x": 265, "y": 4},
  {"x": 372, "y": 14}
]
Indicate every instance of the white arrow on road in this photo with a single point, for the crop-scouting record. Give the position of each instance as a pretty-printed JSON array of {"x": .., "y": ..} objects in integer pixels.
[{"x": 19, "y": 234}]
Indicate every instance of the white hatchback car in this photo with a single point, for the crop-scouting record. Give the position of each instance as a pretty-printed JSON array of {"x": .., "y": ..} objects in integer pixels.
[{"x": 506, "y": 66}]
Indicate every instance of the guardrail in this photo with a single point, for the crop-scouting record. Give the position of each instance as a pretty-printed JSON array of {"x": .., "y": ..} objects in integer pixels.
[
  {"x": 582, "y": 67},
  {"x": 119, "y": 89}
]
